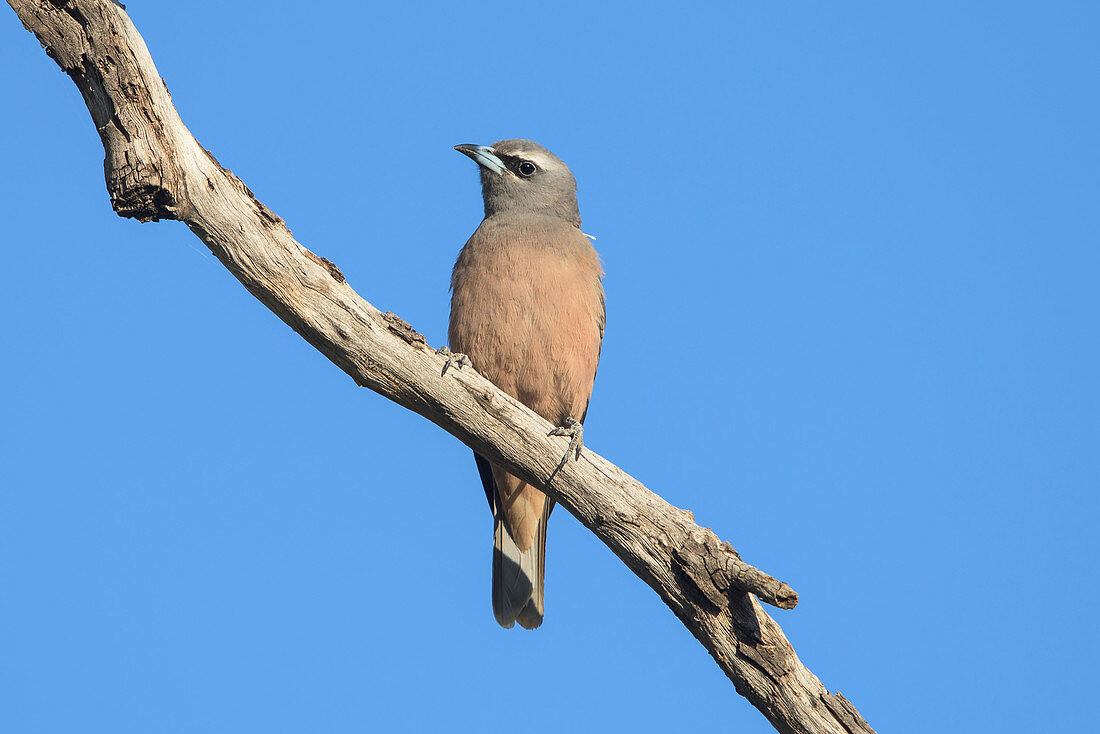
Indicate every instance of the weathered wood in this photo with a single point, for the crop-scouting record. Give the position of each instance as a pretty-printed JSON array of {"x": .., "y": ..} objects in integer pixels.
[{"x": 155, "y": 169}]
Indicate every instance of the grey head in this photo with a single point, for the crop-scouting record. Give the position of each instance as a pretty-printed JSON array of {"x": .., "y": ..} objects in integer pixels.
[{"x": 520, "y": 177}]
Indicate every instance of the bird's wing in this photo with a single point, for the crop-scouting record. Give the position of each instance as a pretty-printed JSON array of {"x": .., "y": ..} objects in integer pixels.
[{"x": 486, "y": 473}]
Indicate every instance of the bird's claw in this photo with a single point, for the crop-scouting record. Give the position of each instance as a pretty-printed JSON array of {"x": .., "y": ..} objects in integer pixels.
[
  {"x": 458, "y": 359},
  {"x": 575, "y": 431}
]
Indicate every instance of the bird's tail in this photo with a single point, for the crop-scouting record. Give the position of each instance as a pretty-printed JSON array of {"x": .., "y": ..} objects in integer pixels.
[{"x": 518, "y": 586}]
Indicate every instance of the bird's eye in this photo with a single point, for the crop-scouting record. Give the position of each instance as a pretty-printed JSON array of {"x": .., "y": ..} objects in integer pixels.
[{"x": 526, "y": 168}]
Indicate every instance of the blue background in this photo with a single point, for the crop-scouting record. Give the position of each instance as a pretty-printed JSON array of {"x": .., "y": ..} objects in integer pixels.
[{"x": 852, "y": 272}]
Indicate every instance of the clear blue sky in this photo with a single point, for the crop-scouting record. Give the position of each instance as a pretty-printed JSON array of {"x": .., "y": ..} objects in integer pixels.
[{"x": 852, "y": 283}]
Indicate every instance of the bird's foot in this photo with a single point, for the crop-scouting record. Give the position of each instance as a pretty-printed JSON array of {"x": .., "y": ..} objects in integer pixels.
[
  {"x": 575, "y": 431},
  {"x": 458, "y": 359}
]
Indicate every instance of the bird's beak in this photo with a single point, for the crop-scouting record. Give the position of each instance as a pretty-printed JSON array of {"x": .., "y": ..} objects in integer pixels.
[{"x": 484, "y": 156}]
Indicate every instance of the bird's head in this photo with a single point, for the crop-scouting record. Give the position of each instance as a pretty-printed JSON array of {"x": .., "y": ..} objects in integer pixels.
[{"x": 522, "y": 177}]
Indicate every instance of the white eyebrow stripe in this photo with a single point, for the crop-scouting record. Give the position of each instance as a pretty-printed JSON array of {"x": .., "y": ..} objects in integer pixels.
[{"x": 534, "y": 156}]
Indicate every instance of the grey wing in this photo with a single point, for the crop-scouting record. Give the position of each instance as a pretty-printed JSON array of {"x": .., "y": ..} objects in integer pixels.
[{"x": 486, "y": 473}]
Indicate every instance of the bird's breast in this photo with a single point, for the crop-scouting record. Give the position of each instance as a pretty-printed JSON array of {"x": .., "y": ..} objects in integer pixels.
[{"x": 527, "y": 307}]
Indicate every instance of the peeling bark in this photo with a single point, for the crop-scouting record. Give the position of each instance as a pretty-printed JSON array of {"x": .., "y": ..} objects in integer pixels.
[{"x": 155, "y": 169}]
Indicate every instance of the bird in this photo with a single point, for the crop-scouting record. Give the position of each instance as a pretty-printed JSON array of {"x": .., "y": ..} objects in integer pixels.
[{"x": 528, "y": 312}]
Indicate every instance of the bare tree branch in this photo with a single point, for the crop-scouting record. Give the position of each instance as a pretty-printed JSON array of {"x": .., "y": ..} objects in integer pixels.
[{"x": 155, "y": 169}]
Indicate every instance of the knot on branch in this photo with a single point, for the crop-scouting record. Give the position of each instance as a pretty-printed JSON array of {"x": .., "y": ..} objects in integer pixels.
[
  {"x": 330, "y": 266},
  {"x": 145, "y": 202},
  {"x": 698, "y": 558},
  {"x": 333, "y": 270},
  {"x": 401, "y": 327},
  {"x": 716, "y": 570}
]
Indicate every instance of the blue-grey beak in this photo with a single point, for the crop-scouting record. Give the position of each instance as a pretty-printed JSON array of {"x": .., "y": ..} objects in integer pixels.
[{"x": 484, "y": 156}]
